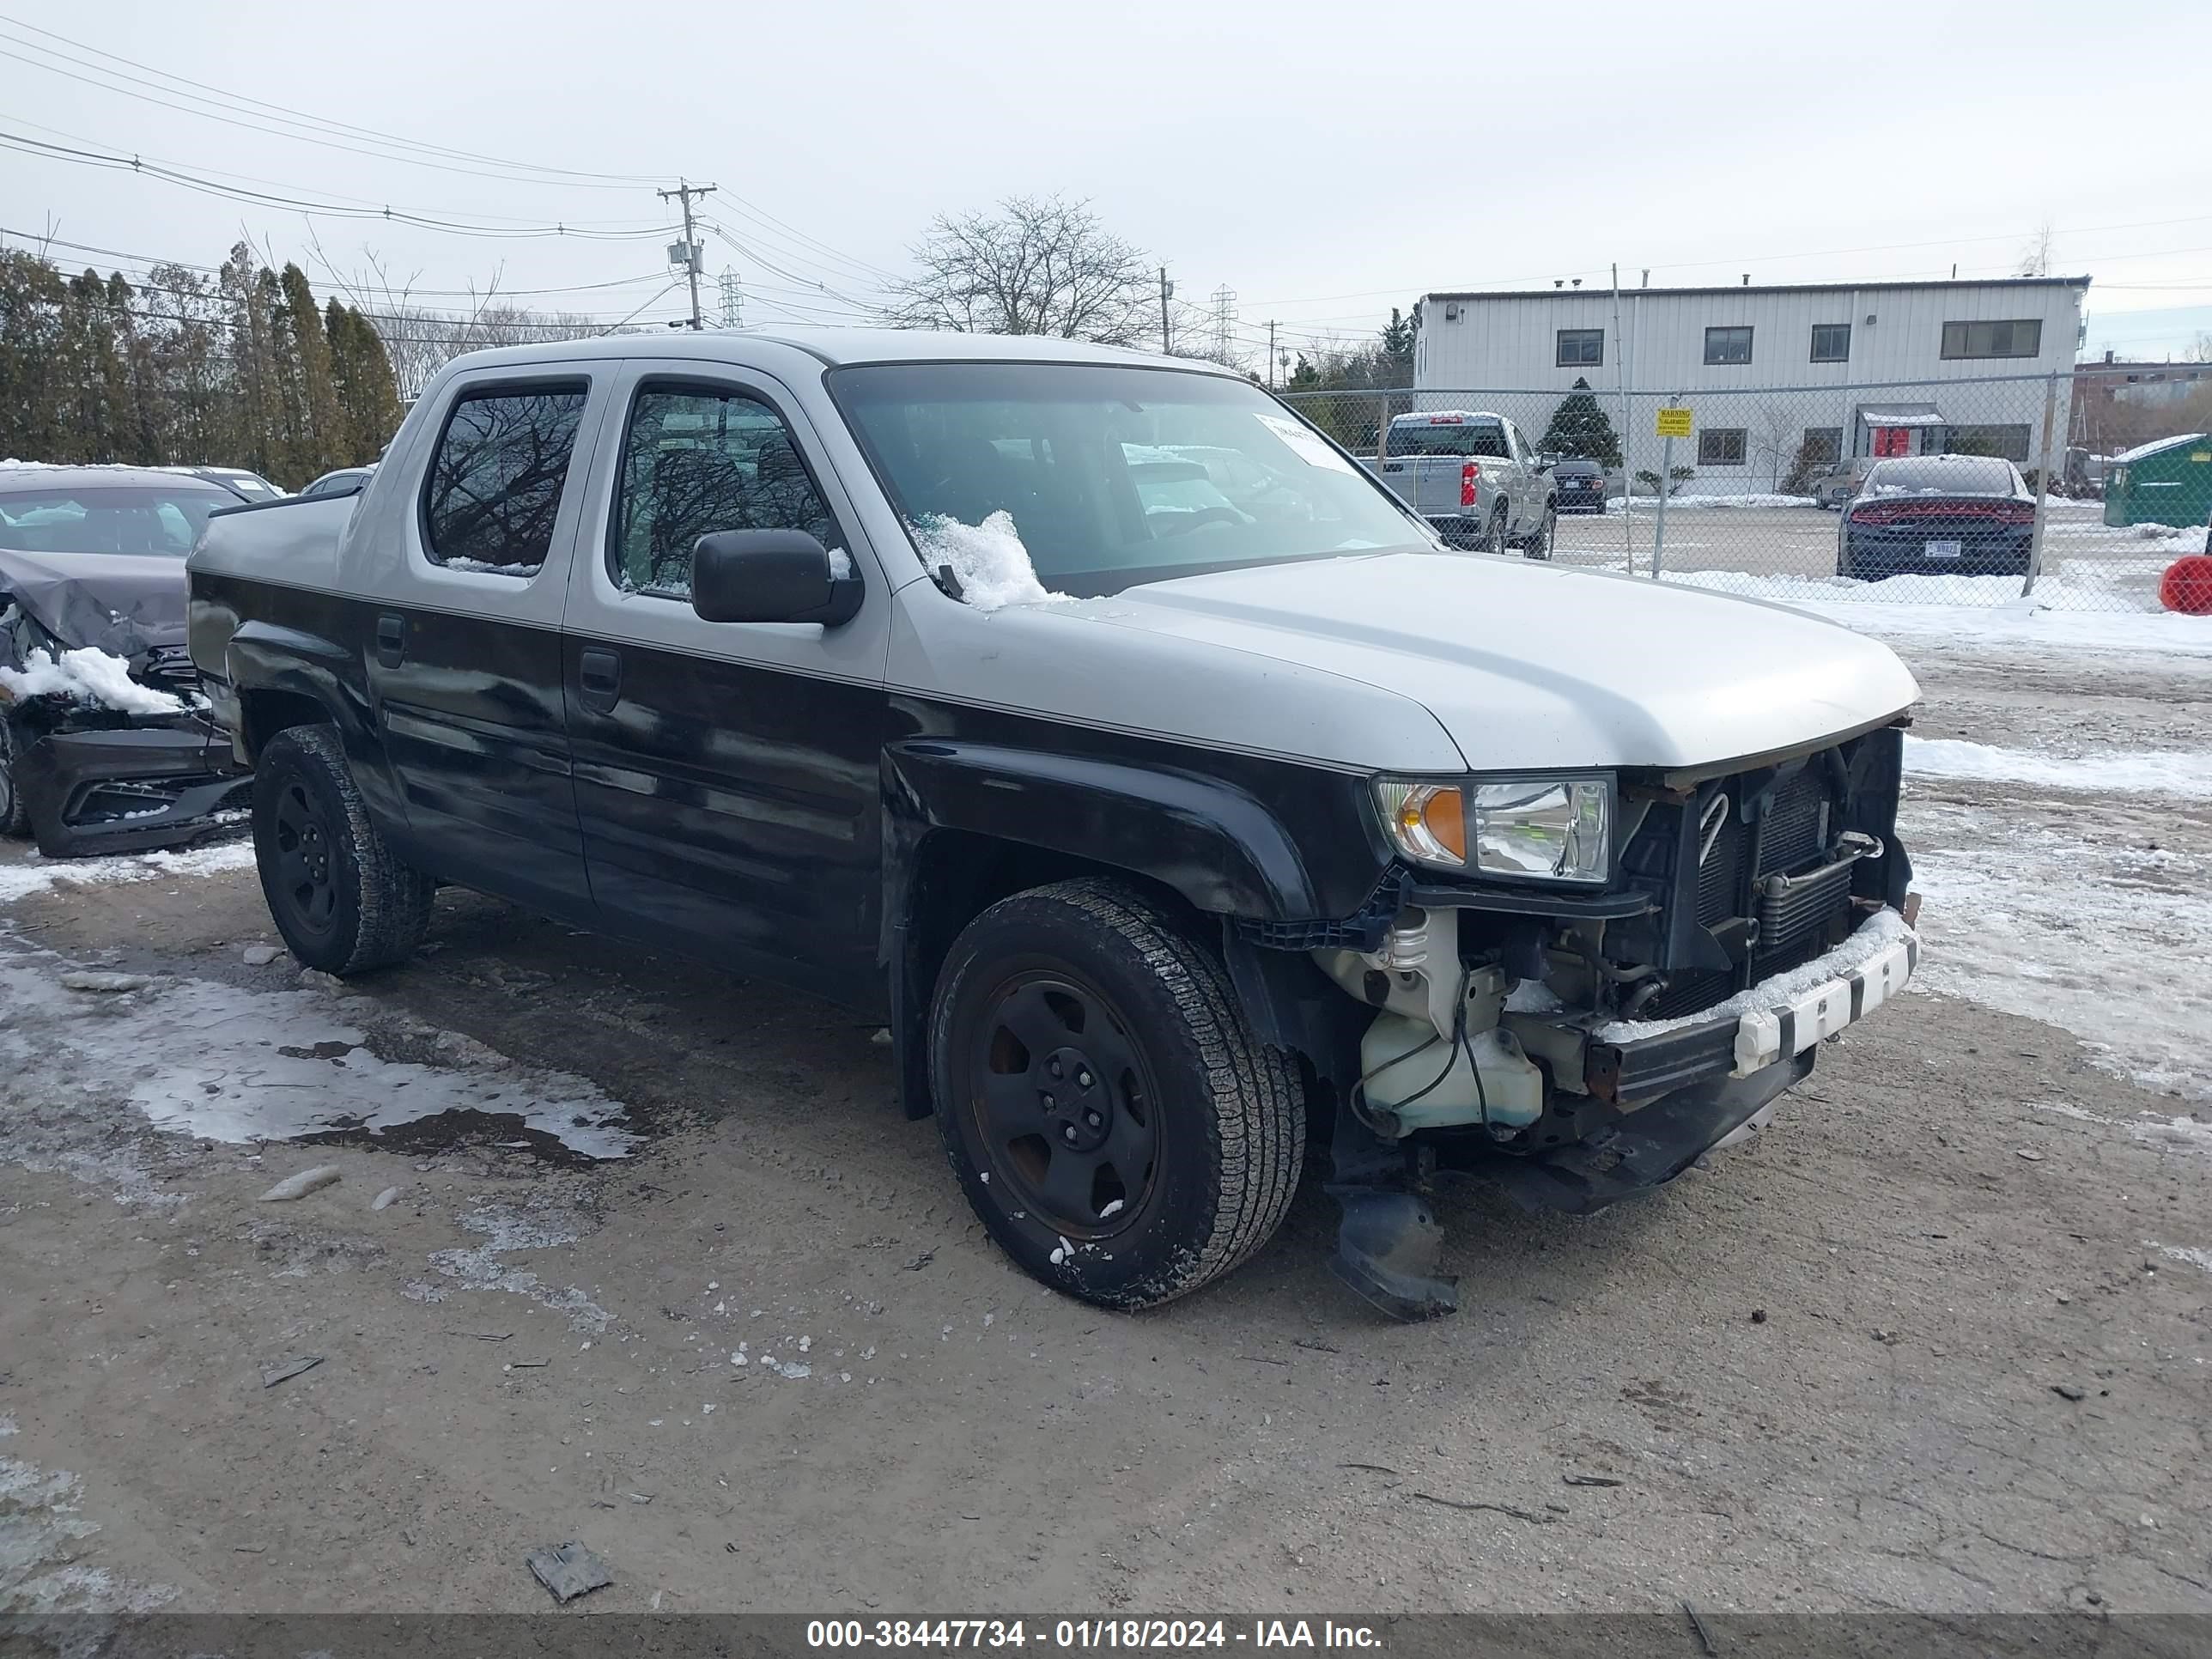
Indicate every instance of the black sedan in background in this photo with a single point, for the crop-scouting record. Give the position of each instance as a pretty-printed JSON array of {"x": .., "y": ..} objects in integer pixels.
[
  {"x": 1581, "y": 485},
  {"x": 1964, "y": 515}
]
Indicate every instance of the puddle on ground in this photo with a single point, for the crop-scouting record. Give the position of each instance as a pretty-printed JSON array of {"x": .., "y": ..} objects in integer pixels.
[{"x": 204, "y": 1058}]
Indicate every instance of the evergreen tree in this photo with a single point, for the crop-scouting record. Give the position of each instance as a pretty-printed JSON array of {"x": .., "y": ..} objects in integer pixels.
[
  {"x": 319, "y": 439},
  {"x": 360, "y": 377},
  {"x": 1398, "y": 349},
  {"x": 1579, "y": 427}
]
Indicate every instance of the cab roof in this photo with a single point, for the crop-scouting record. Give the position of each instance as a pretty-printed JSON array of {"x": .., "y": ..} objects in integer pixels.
[{"x": 836, "y": 347}]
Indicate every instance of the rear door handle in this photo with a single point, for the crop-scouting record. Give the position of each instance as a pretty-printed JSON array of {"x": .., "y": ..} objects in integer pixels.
[
  {"x": 598, "y": 680},
  {"x": 390, "y": 641}
]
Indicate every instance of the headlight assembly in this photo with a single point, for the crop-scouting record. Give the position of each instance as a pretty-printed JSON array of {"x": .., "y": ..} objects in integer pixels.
[{"x": 1533, "y": 829}]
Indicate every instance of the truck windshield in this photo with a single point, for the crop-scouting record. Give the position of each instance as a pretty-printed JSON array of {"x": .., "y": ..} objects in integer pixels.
[
  {"x": 154, "y": 519},
  {"x": 1114, "y": 475}
]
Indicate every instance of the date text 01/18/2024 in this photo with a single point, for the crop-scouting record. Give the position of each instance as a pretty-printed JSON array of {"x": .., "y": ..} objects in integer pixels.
[{"x": 1083, "y": 1635}]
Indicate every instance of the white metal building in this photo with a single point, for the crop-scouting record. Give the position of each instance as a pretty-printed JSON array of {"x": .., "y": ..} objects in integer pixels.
[{"x": 1814, "y": 355}]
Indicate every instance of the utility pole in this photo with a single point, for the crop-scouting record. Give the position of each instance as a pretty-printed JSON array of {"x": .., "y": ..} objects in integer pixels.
[
  {"x": 1167, "y": 292},
  {"x": 687, "y": 252},
  {"x": 1271, "y": 354}
]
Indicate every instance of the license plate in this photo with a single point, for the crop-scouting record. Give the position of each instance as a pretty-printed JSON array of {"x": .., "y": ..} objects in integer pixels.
[{"x": 1942, "y": 549}]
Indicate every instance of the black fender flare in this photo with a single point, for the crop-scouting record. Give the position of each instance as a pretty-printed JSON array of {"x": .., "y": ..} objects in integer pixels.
[
  {"x": 266, "y": 657},
  {"x": 1217, "y": 846},
  {"x": 295, "y": 664}
]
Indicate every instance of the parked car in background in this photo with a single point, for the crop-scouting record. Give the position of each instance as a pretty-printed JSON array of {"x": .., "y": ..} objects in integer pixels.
[
  {"x": 105, "y": 743},
  {"x": 1834, "y": 482},
  {"x": 340, "y": 481},
  {"x": 1578, "y": 485},
  {"x": 1966, "y": 515},
  {"x": 1093, "y": 722},
  {"x": 246, "y": 486},
  {"x": 1472, "y": 475}
]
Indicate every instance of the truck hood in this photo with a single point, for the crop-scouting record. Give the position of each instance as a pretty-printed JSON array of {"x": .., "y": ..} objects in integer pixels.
[
  {"x": 120, "y": 603},
  {"x": 1527, "y": 665}
]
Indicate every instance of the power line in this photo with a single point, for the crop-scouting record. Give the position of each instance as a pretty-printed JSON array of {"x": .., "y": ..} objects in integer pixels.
[
  {"x": 317, "y": 124},
  {"x": 574, "y": 177},
  {"x": 317, "y": 209}
]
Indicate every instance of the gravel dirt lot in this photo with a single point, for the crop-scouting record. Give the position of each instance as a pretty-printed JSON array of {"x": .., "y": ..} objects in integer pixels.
[{"x": 1937, "y": 1341}]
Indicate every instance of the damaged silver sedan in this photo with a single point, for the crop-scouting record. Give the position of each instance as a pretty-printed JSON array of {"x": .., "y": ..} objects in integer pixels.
[{"x": 106, "y": 744}]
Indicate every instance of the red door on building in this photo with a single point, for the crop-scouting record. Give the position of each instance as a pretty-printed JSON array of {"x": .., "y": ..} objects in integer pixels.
[{"x": 1890, "y": 440}]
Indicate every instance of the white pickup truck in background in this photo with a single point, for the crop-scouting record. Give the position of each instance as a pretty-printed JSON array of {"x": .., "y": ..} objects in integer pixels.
[{"x": 1475, "y": 477}]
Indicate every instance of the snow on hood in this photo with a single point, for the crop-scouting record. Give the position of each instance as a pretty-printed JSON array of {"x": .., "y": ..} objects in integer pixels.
[
  {"x": 87, "y": 675},
  {"x": 120, "y": 603},
  {"x": 987, "y": 560},
  {"x": 1527, "y": 665}
]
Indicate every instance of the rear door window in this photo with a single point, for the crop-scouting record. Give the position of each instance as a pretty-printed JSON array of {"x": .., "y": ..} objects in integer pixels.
[
  {"x": 495, "y": 479},
  {"x": 700, "y": 460}
]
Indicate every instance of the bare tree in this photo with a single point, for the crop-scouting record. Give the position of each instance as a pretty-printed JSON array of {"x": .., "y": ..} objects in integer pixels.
[
  {"x": 2035, "y": 258},
  {"x": 1774, "y": 439},
  {"x": 1035, "y": 266},
  {"x": 422, "y": 339}
]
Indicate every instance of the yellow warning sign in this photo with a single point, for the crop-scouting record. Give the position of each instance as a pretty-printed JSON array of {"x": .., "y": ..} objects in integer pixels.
[{"x": 1673, "y": 423}]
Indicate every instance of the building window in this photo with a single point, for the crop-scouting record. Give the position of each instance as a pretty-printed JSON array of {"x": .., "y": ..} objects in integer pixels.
[
  {"x": 1721, "y": 446},
  {"x": 1831, "y": 342},
  {"x": 1582, "y": 348},
  {"x": 2020, "y": 337},
  {"x": 2009, "y": 441},
  {"x": 1824, "y": 445},
  {"x": 1728, "y": 345}
]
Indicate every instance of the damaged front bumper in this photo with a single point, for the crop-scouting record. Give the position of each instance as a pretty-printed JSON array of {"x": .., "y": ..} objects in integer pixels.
[{"x": 133, "y": 785}]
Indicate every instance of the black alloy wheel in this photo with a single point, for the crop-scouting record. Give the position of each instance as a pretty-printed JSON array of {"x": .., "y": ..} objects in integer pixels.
[
  {"x": 303, "y": 879},
  {"x": 1112, "y": 1121},
  {"x": 1066, "y": 1102}
]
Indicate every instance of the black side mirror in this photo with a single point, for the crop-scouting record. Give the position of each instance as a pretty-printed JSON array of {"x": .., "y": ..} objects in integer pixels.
[
  {"x": 771, "y": 576},
  {"x": 1545, "y": 460}
]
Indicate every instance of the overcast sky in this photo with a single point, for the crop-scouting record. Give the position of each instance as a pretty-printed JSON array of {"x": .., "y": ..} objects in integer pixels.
[{"x": 1325, "y": 161}]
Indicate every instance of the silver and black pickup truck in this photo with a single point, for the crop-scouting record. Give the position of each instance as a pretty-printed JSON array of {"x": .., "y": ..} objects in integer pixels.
[{"x": 1159, "y": 779}]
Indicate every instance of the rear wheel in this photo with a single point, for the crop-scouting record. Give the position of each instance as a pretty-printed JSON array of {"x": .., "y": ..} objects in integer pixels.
[
  {"x": 1538, "y": 545},
  {"x": 1493, "y": 533},
  {"x": 343, "y": 903},
  {"x": 1118, "y": 1130},
  {"x": 15, "y": 816}
]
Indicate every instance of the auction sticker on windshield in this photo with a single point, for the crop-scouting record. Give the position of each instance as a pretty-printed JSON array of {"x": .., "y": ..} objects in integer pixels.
[{"x": 1308, "y": 447}]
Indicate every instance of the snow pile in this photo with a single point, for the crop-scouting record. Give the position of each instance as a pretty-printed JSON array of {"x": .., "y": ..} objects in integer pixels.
[
  {"x": 2181, "y": 772},
  {"x": 87, "y": 675},
  {"x": 987, "y": 560},
  {"x": 482, "y": 568},
  {"x": 37, "y": 875},
  {"x": 1875, "y": 934},
  {"x": 1647, "y": 506},
  {"x": 2075, "y": 918},
  {"x": 2074, "y": 585}
]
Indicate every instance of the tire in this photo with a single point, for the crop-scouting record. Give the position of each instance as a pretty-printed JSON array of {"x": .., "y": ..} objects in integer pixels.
[
  {"x": 1156, "y": 1069},
  {"x": 1493, "y": 533},
  {"x": 15, "y": 815},
  {"x": 343, "y": 903},
  {"x": 1539, "y": 545}
]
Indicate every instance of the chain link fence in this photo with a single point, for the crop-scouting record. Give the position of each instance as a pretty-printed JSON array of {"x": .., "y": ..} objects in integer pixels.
[{"x": 1768, "y": 492}]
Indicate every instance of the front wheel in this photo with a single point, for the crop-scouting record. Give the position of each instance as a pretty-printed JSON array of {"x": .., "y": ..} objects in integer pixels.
[
  {"x": 343, "y": 903},
  {"x": 1112, "y": 1121}
]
